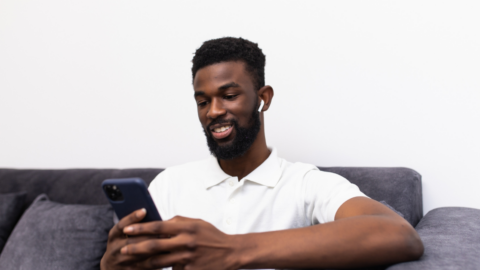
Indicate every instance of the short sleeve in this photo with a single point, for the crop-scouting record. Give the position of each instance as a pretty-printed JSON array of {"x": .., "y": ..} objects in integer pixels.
[{"x": 324, "y": 193}]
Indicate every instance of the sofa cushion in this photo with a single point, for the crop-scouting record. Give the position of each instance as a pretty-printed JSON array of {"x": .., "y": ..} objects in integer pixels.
[
  {"x": 52, "y": 235},
  {"x": 399, "y": 187},
  {"x": 451, "y": 237},
  {"x": 11, "y": 208},
  {"x": 391, "y": 208},
  {"x": 72, "y": 186}
]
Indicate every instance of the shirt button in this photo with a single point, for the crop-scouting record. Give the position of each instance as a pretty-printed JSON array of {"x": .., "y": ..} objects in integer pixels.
[
  {"x": 228, "y": 221},
  {"x": 231, "y": 182},
  {"x": 232, "y": 201}
]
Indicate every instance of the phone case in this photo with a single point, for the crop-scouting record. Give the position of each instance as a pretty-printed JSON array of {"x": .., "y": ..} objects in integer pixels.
[{"x": 133, "y": 195}]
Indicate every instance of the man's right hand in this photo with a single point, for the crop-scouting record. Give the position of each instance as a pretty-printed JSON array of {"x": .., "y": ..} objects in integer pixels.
[{"x": 113, "y": 259}]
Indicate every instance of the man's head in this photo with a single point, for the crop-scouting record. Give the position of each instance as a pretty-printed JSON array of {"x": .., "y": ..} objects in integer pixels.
[{"x": 228, "y": 79}]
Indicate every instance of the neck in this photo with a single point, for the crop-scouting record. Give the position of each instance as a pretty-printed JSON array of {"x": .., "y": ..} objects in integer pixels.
[{"x": 254, "y": 157}]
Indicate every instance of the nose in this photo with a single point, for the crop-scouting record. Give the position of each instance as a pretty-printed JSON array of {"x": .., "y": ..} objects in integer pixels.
[{"x": 216, "y": 109}]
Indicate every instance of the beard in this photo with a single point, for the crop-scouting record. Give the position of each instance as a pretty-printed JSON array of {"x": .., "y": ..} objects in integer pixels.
[{"x": 244, "y": 138}]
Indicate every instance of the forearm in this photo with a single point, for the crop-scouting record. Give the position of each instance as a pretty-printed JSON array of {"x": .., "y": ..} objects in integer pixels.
[{"x": 348, "y": 242}]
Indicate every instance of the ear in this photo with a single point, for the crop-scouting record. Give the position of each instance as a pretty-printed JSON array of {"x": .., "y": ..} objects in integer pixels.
[{"x": 266, "y": 95}]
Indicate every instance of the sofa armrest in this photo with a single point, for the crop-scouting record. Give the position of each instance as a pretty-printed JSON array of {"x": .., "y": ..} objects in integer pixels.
[{"x": 451, "y": 236}]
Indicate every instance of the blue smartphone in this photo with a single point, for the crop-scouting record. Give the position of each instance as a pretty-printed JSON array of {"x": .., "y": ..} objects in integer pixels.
[{"x": 129, "y": 194}]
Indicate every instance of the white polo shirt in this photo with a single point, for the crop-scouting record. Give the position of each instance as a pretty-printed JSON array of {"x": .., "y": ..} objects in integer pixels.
[{"x": 275, "y": 196}]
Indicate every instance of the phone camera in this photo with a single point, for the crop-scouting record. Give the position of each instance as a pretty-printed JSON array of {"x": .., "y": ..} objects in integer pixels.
[{"x": 113, "y": 192}]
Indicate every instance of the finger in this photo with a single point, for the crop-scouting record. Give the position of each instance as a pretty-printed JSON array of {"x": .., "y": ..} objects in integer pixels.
[
  {"x": 132, "y": 218},
  {"x": 169, "y": 227},
  {"x": 154, "y": 246},
  {"x": 137, "y": 239},
  {"x": 165, "y": 260},
  {"x": 127, "y": 260},
  {"x": 178, "y": 267}
]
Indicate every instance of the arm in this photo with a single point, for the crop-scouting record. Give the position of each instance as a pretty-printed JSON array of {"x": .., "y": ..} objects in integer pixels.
[{"x": 364, "y": 233}]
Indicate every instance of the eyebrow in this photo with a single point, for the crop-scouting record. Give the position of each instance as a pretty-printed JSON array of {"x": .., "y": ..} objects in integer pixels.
[
  {"x": 221, "y": 88},
  {"x": 228, "y": 85},
  {"x": 198, "y": 93}
]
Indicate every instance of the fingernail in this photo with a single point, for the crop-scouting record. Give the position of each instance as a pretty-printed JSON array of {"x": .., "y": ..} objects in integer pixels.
[
  {"x": 123, "y": 250},
  {"x": 141, "y": 212},
  {"x": 128, "y": 229}
]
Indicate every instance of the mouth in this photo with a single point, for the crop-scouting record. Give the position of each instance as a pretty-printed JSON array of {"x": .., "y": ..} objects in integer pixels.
[{"x": 221, "y": 131}]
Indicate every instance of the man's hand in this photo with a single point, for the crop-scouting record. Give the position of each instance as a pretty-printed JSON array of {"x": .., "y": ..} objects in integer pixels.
[
  {"x": 195, "y": 244},
  {"x": 113, "y": 259}
]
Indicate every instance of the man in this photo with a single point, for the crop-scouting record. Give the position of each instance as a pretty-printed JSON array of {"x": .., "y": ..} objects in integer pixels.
[{"x": 245, "y": 207}]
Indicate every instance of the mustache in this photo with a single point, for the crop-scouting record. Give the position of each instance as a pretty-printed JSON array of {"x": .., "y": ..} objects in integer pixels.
[{"x": 220, "y": 121}]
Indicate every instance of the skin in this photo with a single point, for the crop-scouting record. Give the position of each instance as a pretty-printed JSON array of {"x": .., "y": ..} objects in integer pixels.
[{"x": 364, "y": 233}]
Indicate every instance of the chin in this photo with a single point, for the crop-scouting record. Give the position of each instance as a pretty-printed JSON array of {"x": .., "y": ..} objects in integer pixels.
[{"x": 225, "y": 144}]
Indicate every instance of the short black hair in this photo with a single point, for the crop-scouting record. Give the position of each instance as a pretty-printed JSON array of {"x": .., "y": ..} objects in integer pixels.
[{"x": 232, "y": 49}]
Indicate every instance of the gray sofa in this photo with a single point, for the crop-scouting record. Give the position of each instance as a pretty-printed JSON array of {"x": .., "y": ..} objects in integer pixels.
[{"x": 67, "y": 226}]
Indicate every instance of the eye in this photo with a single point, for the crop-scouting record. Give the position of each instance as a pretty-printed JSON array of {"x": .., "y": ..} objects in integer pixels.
[
  {"x": 230, "y": 97},
  {"x": 201, "y": 103}
]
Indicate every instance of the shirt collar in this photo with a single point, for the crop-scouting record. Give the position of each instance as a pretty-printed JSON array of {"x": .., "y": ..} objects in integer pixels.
[{"x": 267, "y": 174}]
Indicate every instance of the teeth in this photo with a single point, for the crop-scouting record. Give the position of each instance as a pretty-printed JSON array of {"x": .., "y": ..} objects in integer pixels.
[{"x": 221, "y": 129}]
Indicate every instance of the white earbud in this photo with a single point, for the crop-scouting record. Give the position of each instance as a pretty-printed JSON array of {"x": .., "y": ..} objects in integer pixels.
[{"x": 261, "y": 106}]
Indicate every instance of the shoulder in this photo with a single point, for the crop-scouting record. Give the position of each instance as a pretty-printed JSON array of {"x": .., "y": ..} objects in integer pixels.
[
  {"x": 324, "y": 176},
  {"x": 309, "y": 172},
  {"x": 312, "y": 180}
]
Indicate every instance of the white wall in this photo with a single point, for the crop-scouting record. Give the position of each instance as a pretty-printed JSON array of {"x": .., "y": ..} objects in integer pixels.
[{"x": 362, "y": 83}]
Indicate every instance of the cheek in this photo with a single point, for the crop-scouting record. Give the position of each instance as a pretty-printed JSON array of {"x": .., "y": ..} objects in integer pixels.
[{"x": 242, "y": 113}]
